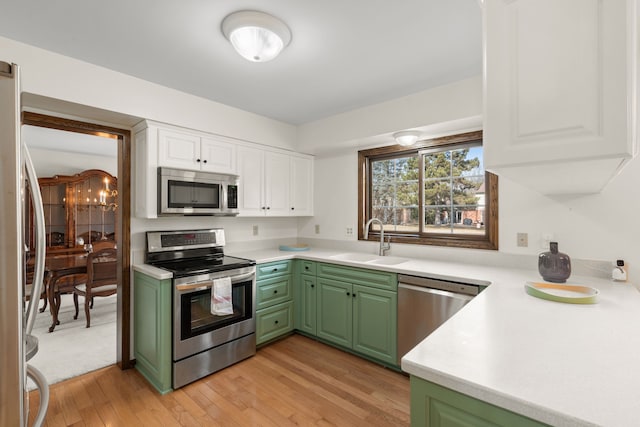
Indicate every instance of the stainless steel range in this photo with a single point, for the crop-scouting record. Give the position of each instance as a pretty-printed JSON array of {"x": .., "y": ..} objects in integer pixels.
[{"x": 203, "y": 342}]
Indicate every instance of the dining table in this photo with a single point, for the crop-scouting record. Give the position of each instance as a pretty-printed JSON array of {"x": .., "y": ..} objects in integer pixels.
[{"x": 61, "y": 273}]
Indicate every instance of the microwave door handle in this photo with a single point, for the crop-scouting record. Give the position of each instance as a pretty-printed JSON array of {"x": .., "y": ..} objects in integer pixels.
[{"x": 223, "y": 197}]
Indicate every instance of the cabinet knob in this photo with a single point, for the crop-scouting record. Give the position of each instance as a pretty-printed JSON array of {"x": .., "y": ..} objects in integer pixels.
[
  {"x": 292, "y": 208},
  {"x": 348, "y": 293},
  {"x": 275, "y": 269},
  {"x": 268, "y": 207},
  {"x": 275, "y": 292},
  {"x": 313, "y": 286},
  {"x": 306, "y": 267},
  {"x": 204, "y": 161},
  {"x": 263, "y": 207},
  {"x": 276, "y": 322},
  {"x": 198, "y": 160},
  {"x": 354, "y": 295}
]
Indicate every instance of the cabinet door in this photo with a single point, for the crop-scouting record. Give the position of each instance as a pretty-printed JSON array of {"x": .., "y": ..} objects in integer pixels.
[
  {"x": 374, "y": 323},
  {"x": 301, "y": 194},
  {"x": 251, "y": 191},
  {"x": 218, "y": 156},
  {"x": 273, "y": 322},
  {"x": 306, "y": 304},
  {"x": 178, "y": 150},
  {"x": 273, "y": 291},
  {"x": 557, "y": 92},
  {"x": 334, "y": 307},
  {"x": 277, "y": 182},
  {"x": 152, "y": 330},
  {"x": 436, "y": 406}
]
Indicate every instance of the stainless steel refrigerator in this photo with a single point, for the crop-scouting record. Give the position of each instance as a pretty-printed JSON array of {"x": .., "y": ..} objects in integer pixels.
[{"x": 19, "y": 191}]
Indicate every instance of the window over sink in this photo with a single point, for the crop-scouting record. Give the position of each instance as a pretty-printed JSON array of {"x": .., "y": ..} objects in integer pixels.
[{"x": 433, "y": 193}]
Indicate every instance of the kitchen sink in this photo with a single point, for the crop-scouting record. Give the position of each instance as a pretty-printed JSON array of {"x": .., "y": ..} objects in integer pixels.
[
  {"x": 388, "y": 260},
  {"x": 355, "y": 256},
  {"x": 369, "y": 258}
]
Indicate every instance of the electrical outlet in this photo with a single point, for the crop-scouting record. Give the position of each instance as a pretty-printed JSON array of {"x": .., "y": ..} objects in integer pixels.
[
  {"x": 349, "y": 231},
  {"x": 523, "y": 240},
  {"x": 317, "y": 228},
  {"x": 255, "y": 230}
]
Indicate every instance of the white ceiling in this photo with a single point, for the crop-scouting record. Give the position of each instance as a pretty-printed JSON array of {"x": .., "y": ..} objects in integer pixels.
[
  {"x": 344, "y": 54},
  {"x": 69, "y": 142}
]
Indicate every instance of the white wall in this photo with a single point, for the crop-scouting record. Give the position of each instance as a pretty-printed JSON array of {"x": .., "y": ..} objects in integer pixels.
[
  {"x": 600, "y": 226},
  {"x": 595, "y": 227},
  {"x": 436, "y": 112},
  {"x": 60, "y": 77},
  {"x": 47, "y": 74}
]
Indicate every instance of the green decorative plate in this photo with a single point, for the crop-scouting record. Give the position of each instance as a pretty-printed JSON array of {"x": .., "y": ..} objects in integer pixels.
[{"x": 571, "y": 294}]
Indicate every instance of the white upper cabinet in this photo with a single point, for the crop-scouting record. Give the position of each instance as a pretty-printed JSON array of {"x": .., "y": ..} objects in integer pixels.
[
  {"x": 274, "y": 183},
  {"x": 560, "y": 91},
  {"x": 184, "y": 150},
  {"x": 277, "y": 182},
  {"x": 301, "y": 191}
]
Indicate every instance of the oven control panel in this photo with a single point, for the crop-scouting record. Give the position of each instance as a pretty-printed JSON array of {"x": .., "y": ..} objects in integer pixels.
[{"x": 161, "y": 241}]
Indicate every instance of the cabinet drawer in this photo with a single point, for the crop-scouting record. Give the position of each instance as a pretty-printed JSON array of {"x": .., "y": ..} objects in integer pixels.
[
  {"x": 360, "y": 276},
  {"x": 272, "y": 269},
  {"x": 274, "y": 321},
  {"x": 307, "y": 267},
  {"x": 273, "y": 291}
]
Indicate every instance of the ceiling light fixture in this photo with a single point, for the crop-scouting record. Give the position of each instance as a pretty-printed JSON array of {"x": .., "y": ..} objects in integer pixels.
[
  {"x": 256, "y": 36},
  {"x": 408, "y": 137}
]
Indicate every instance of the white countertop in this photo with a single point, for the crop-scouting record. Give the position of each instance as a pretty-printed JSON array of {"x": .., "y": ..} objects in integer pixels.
[{"x": 561, "y": 364}]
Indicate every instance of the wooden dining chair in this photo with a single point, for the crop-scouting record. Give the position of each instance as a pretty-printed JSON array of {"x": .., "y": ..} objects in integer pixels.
[
  {"x": 102, "y": 279},
  {"x": 28, "y": 290},
  {"x": 103, "y": 244}
]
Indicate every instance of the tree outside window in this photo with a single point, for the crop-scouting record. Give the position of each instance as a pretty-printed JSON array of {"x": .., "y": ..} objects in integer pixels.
[{"x": 436, "y": 193}]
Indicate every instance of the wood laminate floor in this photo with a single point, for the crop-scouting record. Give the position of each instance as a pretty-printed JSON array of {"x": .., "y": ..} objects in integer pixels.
[{"x": 293, "y": 382}]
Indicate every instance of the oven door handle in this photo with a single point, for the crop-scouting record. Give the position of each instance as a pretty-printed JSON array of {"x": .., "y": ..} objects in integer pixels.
[{"x": 209, "y": 283}]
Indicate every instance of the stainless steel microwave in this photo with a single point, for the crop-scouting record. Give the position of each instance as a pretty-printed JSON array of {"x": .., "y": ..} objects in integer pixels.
[{"x": 184, "y": 192}]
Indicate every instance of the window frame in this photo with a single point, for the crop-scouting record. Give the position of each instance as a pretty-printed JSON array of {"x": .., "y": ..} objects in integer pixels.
[{"x": 488, "y": 241}]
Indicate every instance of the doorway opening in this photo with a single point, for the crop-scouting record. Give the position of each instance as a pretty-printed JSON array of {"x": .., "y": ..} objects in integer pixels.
[{"x": 122, "y": 221}]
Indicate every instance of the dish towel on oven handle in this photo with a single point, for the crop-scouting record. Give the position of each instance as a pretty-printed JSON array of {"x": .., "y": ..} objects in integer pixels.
[{"x": 221, "y": 301}]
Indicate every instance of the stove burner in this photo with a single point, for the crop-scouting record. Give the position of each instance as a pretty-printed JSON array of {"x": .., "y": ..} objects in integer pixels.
[
  {"x": 191, "y": 252},
  {"x": 197, "y": 266}
]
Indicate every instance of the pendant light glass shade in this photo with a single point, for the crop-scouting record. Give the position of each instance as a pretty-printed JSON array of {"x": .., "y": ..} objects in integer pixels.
[
  {"x": 408, "y": 137},
  {"x": 256, "y": 36}
]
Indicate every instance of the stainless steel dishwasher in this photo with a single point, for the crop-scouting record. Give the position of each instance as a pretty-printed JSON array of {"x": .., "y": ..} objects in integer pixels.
[{"x": 424, "y": 304}]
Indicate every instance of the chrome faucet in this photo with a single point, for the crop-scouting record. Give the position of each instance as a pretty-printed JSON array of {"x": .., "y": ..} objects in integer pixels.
[{"x": 383, "y": 246}]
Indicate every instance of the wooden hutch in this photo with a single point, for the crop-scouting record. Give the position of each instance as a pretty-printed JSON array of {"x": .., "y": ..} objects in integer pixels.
[{"x": 79, "y": 209}]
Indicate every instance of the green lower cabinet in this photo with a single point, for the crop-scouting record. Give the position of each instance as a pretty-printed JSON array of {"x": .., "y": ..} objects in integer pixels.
[
  {"x": 335, "y": 308},
  {"x": 305, "y": 305},
  {"x": 375, "y": 323},
  {"x": 436, "y": 406},
  {"x": 273, "y": 291},
  {"x": 274, "y": 300},
  {"x": 152, "y": 329},
  {"x": 274, "y": 321},
  {"x": 358, "y": 317}
]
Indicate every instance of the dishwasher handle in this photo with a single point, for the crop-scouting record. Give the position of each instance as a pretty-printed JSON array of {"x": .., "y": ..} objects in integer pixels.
[
  {"x": 455, "y": 295},
  {"x": 444, "y": 285}
]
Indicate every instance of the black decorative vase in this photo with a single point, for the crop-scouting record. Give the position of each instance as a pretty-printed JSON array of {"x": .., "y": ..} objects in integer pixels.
[{"x": 554, "y": 266}]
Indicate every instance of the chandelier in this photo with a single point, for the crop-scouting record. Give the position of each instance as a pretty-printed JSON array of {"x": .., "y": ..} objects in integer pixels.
[{"x": 108, "y": 194}]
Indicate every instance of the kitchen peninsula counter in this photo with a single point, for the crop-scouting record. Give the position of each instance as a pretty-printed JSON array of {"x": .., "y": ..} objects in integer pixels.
[{"x": 560, "y": 364}]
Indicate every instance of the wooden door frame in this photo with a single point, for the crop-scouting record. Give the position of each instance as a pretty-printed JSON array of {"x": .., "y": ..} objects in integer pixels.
[{"x": 123, "y": 137}]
